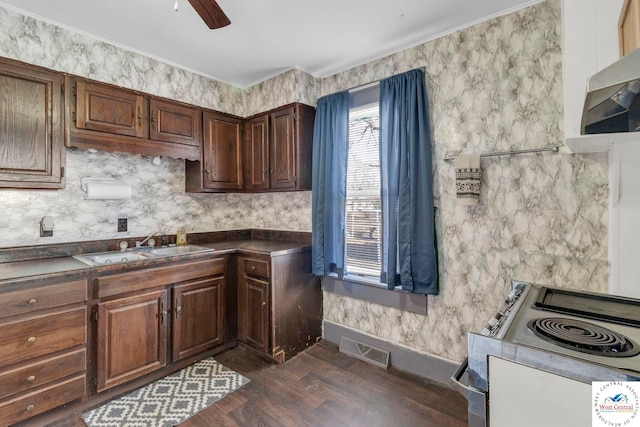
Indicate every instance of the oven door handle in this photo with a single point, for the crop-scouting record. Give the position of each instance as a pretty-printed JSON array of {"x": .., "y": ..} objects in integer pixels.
[{"x": 469, "y": 392}]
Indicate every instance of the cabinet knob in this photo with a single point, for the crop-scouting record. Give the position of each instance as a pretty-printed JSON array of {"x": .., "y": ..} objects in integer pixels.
[
  {"x": 253, "y": 267},
  {"x": 31, "y": 407},
  {"x": 31, "y": 378},
  {"x": 207, "y": 171},
  {"x": 32, "y": 301},
  {"x": 264, "y": 303},
  {"x": 31, "y": 339}
]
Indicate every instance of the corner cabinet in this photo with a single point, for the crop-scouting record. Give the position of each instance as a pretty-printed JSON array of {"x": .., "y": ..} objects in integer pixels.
[
  {"x": 279, "y": 304},
  {"x": 220, "y": 166},
  {"x": 32, "y": 152},
  {"x": 137, "y": 322},
  {"x": 112, "y": 118},
  {"x": 278, "y": 149}
]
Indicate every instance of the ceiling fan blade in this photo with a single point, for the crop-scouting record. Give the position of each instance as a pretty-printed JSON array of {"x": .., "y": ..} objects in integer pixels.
[{"x": 211, "y": 13}]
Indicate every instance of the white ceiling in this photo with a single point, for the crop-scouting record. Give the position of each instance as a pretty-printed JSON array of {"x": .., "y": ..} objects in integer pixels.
[{"x": 267, "y": 37}]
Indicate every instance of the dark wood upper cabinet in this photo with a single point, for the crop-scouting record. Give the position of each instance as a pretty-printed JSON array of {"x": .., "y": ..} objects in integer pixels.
[
  {"x": 256, "y": 157},
  {"x": 279, "y": 146},
  {"x": 175, "y": 123},
  {"x": 112, "y": 118},
  {"x": 111, "y": 110},
  {"x": 31, "y": 127},
  {"x": 220, "y": 168},
  {"x": 283, "y": 147}
]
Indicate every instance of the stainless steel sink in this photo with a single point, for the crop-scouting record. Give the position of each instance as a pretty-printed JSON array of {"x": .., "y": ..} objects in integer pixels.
[
  {"x": 138, "y": 254},
  {"x": 178, "y": 250},
  {"x": 103, "y": 258}
]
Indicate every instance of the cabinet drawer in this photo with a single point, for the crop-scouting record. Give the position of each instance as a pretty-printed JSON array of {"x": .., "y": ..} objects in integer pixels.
[
  {"x": 42, "y": 400},
  {"x": 254, "y": 267},
  {"x": 35, "y": 374},
  {"x": 131, "y": 281},
  {"x": 24, "y": 298},
  {"x": 42, "y": 334}
]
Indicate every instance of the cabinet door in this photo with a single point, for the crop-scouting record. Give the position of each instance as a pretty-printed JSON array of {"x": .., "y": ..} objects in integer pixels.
[
  {"x": 175, "y": 123},
  {"x": 629, "y": 27},
  {"x": 283, "y": 149},
  {"x": 132, "y": 338},
  {"x": 222, "y": 152},
  {"x": 109, "y": 109},
  {"x": 256, "y": 313},
  {"x": 198, "y": 322},
  {"x": 31, "y": 137},
  {"x": 256, "y": 163}
]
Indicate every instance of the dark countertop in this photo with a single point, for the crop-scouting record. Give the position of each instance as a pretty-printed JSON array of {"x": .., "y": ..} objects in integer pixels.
[{"x": 61, "y": 266}]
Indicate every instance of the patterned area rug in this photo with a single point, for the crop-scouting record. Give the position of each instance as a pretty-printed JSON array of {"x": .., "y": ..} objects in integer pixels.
[{"x": 170, "y": 400}]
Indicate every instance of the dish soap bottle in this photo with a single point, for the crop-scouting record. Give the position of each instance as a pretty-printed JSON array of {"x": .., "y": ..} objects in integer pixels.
[{"x": 181, "y": 237}]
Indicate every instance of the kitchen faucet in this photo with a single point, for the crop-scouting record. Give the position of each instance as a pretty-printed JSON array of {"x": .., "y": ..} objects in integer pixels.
[{"x": 138, "y": 244}]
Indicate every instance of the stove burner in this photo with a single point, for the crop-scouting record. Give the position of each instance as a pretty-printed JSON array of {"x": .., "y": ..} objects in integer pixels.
[{"x": 583, "y": 337}]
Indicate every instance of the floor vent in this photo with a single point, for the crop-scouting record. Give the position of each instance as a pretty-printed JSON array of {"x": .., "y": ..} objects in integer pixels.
[{"x": 365, "y": 352}]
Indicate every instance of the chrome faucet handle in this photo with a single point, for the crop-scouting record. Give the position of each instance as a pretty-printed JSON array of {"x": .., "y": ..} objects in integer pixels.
[
  {"x": 151, "y": 243},
  {"x": 123, "y": 246}
]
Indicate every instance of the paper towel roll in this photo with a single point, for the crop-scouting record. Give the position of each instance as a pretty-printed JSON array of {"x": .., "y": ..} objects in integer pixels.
[{"x": 101, "y": 190}]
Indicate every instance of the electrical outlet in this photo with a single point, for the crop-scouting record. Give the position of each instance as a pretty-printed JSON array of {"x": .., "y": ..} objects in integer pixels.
[{"x": 122, "y": 225}]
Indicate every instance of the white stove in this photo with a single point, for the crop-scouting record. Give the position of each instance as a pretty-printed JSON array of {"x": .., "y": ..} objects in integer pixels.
[
  {"x": 576, "y": 335},
  {"x": 600, "y": 329}
]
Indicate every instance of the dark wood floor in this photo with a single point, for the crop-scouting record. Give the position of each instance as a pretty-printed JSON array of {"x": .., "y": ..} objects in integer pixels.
[{"x": 323, "y": 387}]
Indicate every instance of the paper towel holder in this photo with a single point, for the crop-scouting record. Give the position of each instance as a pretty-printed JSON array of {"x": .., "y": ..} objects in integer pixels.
[{"x": 84, "y": 182}]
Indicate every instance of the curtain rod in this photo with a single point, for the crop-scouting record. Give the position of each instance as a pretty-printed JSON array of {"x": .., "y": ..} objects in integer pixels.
[
  {"x": 376, "y": 82},
  {"x": 508, "y": 153}
]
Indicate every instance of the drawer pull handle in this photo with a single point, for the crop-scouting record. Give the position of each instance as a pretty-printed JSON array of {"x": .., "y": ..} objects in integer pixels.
[
  {"x": 32, "y": 301},
  {"x": 31, "y": 378},
  {"x": 31, "y": 339},
  {"x": 31, "y": 407},
  {"x": 253, "y": 267}
]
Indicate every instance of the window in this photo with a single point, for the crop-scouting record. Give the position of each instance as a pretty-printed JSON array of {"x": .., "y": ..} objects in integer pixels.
[
  {"x": 363, "y": 205},
  {"x": 367, "y": 192}
]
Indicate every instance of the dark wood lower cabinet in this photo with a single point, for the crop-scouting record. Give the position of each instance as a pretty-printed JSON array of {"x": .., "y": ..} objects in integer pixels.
[
  {"x": 256, "y": 313},
  {"x": 137, "y": 321},
  {"x": 132, "y": 338},
  {"x": 279, "y": 304},
  {"x": 145, "y": 323},
  {"x": 198, "y": 321}
]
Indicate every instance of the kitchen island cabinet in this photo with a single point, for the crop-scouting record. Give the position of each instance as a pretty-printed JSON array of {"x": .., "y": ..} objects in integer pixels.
[
  {"x": 43, "y": 337},
  {"x": 32, "y": 140}
]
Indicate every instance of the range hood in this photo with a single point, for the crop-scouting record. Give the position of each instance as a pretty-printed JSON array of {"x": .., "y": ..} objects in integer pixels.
[{"x": 612, "y": 107}]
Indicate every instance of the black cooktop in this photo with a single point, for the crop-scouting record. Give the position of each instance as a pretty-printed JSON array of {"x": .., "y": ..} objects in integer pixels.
[{"x": 609, "y": 308}]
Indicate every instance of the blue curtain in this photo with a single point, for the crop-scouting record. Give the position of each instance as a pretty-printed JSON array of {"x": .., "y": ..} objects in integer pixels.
[
  {"x": 329, "y": 184},
  {"x": 408, "y": 235}
]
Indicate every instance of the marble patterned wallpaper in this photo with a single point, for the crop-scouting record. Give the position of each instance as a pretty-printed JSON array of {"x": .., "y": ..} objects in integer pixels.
[
  {"x": 41, "y": 43},
  {"x": 494, "y": 86}
]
